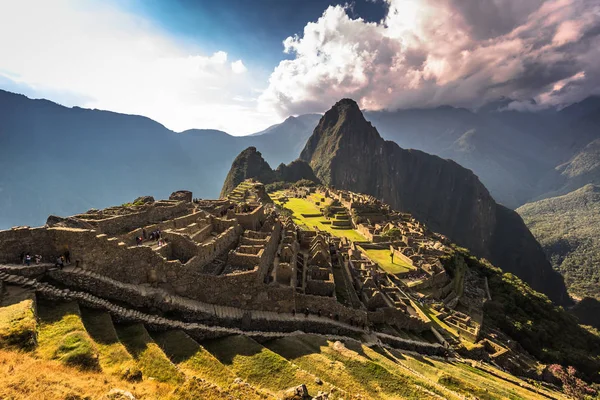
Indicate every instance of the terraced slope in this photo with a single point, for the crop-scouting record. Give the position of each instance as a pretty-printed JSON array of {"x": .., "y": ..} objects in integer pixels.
[
  {"x": 352, "y": 370},
  {"x": 80, "y": 352},
  {"x": 18, "y": 325},
  {"x": 62, "y": 336},
  {"x": 194, "y": 360},
  {"x": 114, "y": 357},
  {"x": 260, "y": 366},
  {"x": 151, "y": 360}
]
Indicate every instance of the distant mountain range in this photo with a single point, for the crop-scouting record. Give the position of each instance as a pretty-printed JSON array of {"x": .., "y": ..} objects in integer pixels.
[{"x": 59, "y": 160}]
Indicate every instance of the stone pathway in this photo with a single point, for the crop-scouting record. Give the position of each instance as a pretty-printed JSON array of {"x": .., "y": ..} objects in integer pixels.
[{"x": 185, "y": 304}]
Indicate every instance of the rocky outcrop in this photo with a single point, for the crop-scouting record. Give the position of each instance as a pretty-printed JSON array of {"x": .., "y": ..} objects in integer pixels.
[
  {"x": 250, "y": 164},
  {"x": 295, "y": 171},
  {"x": 144, "y": 200},
  {"x": 347, "y": 152}
]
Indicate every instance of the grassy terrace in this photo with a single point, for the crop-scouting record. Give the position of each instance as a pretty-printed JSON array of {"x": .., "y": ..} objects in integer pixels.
[
  {"x": 258, "y": 365},
  {"x": 470, "y": 381},
  {"x": 382, "y": 257},
  {"x": 17, "y": 325},
  {"x": 62, "y": 336},
  {"x": 302, "y": 206},
  {"x": 354, "y": 368}
]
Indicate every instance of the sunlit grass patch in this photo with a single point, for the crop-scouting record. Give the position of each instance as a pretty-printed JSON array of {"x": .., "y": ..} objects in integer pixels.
[
  {"x": 62, "y": 336},
  {"x": 18, "y": 325}
]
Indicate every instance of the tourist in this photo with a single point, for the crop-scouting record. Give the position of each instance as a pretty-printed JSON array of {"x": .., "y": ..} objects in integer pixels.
[
  {"x": 138, "y": 240},
  {"x": 157, "y": 234},
  {"x": 67, "y": 257},
  {"x": 59, "y": 262},
  {"x": 27, "y": 259},
  {"x": 38, "y": 258}
]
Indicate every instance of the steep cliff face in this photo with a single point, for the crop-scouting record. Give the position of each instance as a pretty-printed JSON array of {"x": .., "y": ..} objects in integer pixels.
[
  {"x": 346, "y": 151},
  {"x": 250, "y": 164}
]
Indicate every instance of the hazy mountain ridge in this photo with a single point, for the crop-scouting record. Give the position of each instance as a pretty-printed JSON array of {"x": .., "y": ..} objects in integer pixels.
[
  {"x": 347, "y": 152},
  {"x": 568, "y": 229},
  {"x": 60, "y": 160}
]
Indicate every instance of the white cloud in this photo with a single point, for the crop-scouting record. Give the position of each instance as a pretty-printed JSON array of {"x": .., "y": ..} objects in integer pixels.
[
  {"x": 238, "y": 67},
  {"x": 432, "y": 52},
  {"x": 116, "y": 61}
]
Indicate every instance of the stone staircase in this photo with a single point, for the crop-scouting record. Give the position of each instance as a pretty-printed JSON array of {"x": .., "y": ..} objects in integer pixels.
[{"x": 267, "y": 325}]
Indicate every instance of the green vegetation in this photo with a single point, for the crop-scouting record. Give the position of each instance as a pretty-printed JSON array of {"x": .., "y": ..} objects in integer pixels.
[
  {"x": 190, "y": 356},
  {"x": 303, "y": 206},
  {"x": 461, "y": 378},
  {"x": 17, "y": 325},
  {"x": 351, "y": 368},
  {"x": 548, "y": 332},
  {"x": 194, "y": 360},
  {"x": 568, "y": 228},
  {"x": 114, "y": 357},
  {"x": 393, "y": 233},
  {"x": 150, "y": 358},
  {"x": 258, "y": 365},
  {"x": 382, "y": 257},
  {"x": 62, "y": 336}
]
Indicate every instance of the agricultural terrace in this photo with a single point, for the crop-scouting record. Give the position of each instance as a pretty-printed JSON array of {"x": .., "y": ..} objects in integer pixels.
[
  {"x": 306, "y": 214},
  {"x": 382, "y": 257}
]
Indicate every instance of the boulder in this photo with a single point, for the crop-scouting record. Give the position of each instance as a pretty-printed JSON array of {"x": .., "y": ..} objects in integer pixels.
[
  {"x": 144, "y": 200},
  {"x": 296, "y": 393},
  {"x": 119, "y": 394},
  {"x": 181, "y": 195}
]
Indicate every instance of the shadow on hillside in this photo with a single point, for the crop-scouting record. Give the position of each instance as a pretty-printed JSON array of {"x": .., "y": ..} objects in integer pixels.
[
  {"x": 298, "y": 346},
  {"x": 227, "y": 348},
  {"x": 134, "y": 337},
  {"x": 99, "y": 326},
  {"x": 51, "y": 312}
]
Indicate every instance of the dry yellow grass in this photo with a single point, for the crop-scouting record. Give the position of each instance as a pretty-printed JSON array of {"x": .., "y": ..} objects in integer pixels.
[{"x": 24, "y": 377}]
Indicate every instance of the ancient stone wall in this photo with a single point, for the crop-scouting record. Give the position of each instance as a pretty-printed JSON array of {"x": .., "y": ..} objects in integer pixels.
[
  {"x": 126, "y": 223},
  {"x": 251, "y": 220}
]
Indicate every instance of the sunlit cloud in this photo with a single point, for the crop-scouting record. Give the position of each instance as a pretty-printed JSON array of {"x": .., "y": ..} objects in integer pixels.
[{"x": 427, "y": 53}]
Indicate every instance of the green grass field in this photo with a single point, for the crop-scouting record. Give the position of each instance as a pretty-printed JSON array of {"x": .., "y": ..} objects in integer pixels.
[
  {"x": 114, "y": 358},
  {"x": 353, "y": 368},
  {"x": 62, "y": 336},
  {"x": 150, "y": 358},
  {"x": 302, "y": 206},
  {"x": 258, "y": 365},
  {"x": 17, "y": 325},
  {"x": 382, "y": 257}
]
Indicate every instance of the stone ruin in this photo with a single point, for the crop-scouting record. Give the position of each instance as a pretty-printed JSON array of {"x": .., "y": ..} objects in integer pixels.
[{"x": 230, "y": 263}]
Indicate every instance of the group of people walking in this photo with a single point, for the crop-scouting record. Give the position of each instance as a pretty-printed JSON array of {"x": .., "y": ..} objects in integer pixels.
[
  {"x": 60, "y": 262},
  {"x": 154, "y": 235}
]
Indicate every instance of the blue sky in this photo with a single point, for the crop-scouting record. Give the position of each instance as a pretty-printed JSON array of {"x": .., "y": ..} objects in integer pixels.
[
  {"x": 251, "y": 30},
  {"x": 242, "y": 65}
]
